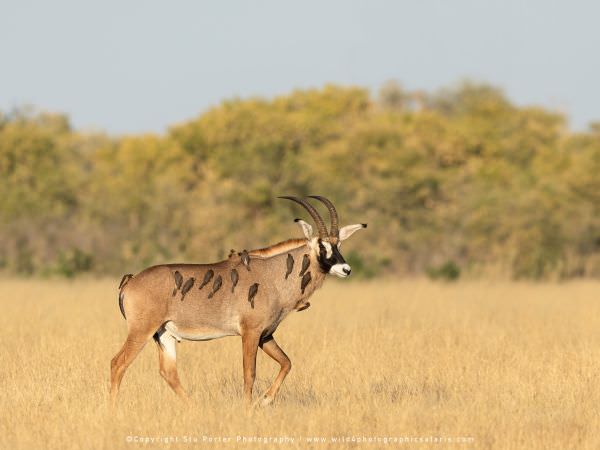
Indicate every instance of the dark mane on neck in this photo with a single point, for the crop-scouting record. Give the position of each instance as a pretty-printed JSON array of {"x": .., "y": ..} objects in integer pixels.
[{"x": 277, "y": 249}]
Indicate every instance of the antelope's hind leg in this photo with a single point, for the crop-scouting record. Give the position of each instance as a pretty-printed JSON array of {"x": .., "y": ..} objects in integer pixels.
[
  {"x": 122, "y": 360},
  {"x": 167, "y": 358},
  {"x": 270, "y": 347}
]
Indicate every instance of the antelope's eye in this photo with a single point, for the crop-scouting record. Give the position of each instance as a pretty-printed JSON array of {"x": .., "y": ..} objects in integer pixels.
[{"x": 327, "y": 249}]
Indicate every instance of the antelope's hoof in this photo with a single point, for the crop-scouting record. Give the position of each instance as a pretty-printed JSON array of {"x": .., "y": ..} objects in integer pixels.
[{"x": 265, "y": 400}]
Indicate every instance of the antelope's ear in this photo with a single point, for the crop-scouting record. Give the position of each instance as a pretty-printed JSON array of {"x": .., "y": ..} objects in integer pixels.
[
  {"x": 349, "y": 230},
  {"x": 306, "y": 228}
]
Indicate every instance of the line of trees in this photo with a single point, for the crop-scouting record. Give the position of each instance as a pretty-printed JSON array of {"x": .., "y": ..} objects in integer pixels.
[{"x": 456, "y": 181}]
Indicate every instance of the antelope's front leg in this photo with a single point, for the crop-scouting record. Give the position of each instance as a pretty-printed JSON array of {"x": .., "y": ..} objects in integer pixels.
[
  {"x": 250, "y": 348},
  {"x": 271, "y": 348}
]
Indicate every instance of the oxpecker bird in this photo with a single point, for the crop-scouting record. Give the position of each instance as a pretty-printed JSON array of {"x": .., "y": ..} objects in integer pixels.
[
  {"x": 187, "y": 286},
  {"x": 207, "y": 278},
  {"x": 178, "y": 281}
]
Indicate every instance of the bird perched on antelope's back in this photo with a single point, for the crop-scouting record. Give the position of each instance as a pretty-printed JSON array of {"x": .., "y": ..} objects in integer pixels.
[
  {"x": 187, "y": 286},
  {"x": 245, "y": 259},
  {"x": 178, "y": 281},
  {"x": 252, "y": 293},
  {"x": 290, "y": 265},
  {"x": 234, "y": 279},
  {"x": 216, "y": 286},
  {"x": 305, "y": 265},
  {"x": 207, "y": 277}
]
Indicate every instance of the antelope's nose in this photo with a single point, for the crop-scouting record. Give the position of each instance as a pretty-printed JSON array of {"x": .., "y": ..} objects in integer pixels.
[{"x": 347, "y": 270}]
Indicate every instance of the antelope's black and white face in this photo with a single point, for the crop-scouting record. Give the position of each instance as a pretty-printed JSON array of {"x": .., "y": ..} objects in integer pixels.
[
  {"x": 331, "y": 260},
  {"x": 327, "y": 250}
]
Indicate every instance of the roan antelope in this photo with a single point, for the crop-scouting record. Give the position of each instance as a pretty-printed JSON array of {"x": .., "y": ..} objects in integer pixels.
[{"x": 246, "y": 295}]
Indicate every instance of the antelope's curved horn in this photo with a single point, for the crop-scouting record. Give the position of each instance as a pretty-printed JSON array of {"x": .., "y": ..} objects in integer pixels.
[
  {"x": 333, "y": 215},
  {"x": 313, "y": 213}
]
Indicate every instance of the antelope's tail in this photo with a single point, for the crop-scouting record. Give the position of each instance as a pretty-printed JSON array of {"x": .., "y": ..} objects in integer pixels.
[{"x": 122, "y": 284}]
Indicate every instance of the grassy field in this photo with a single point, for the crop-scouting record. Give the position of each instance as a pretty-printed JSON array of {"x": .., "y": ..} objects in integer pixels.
[{"x": 508, "y": 365}]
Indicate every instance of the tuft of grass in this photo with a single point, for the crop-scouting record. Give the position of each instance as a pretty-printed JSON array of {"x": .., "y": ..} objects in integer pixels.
[{"x": 512, "y": 365}]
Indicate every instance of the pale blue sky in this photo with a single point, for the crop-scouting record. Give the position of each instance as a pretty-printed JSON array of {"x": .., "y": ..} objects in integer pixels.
[{"x": 131, "y": 66}]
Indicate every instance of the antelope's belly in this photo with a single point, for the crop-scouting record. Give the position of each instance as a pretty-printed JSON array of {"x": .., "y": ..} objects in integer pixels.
[{"x": 197, "y": 334}]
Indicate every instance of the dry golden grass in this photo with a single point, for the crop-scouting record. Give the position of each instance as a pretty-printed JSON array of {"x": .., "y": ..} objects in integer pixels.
[{"x": 511, "y": 365}]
